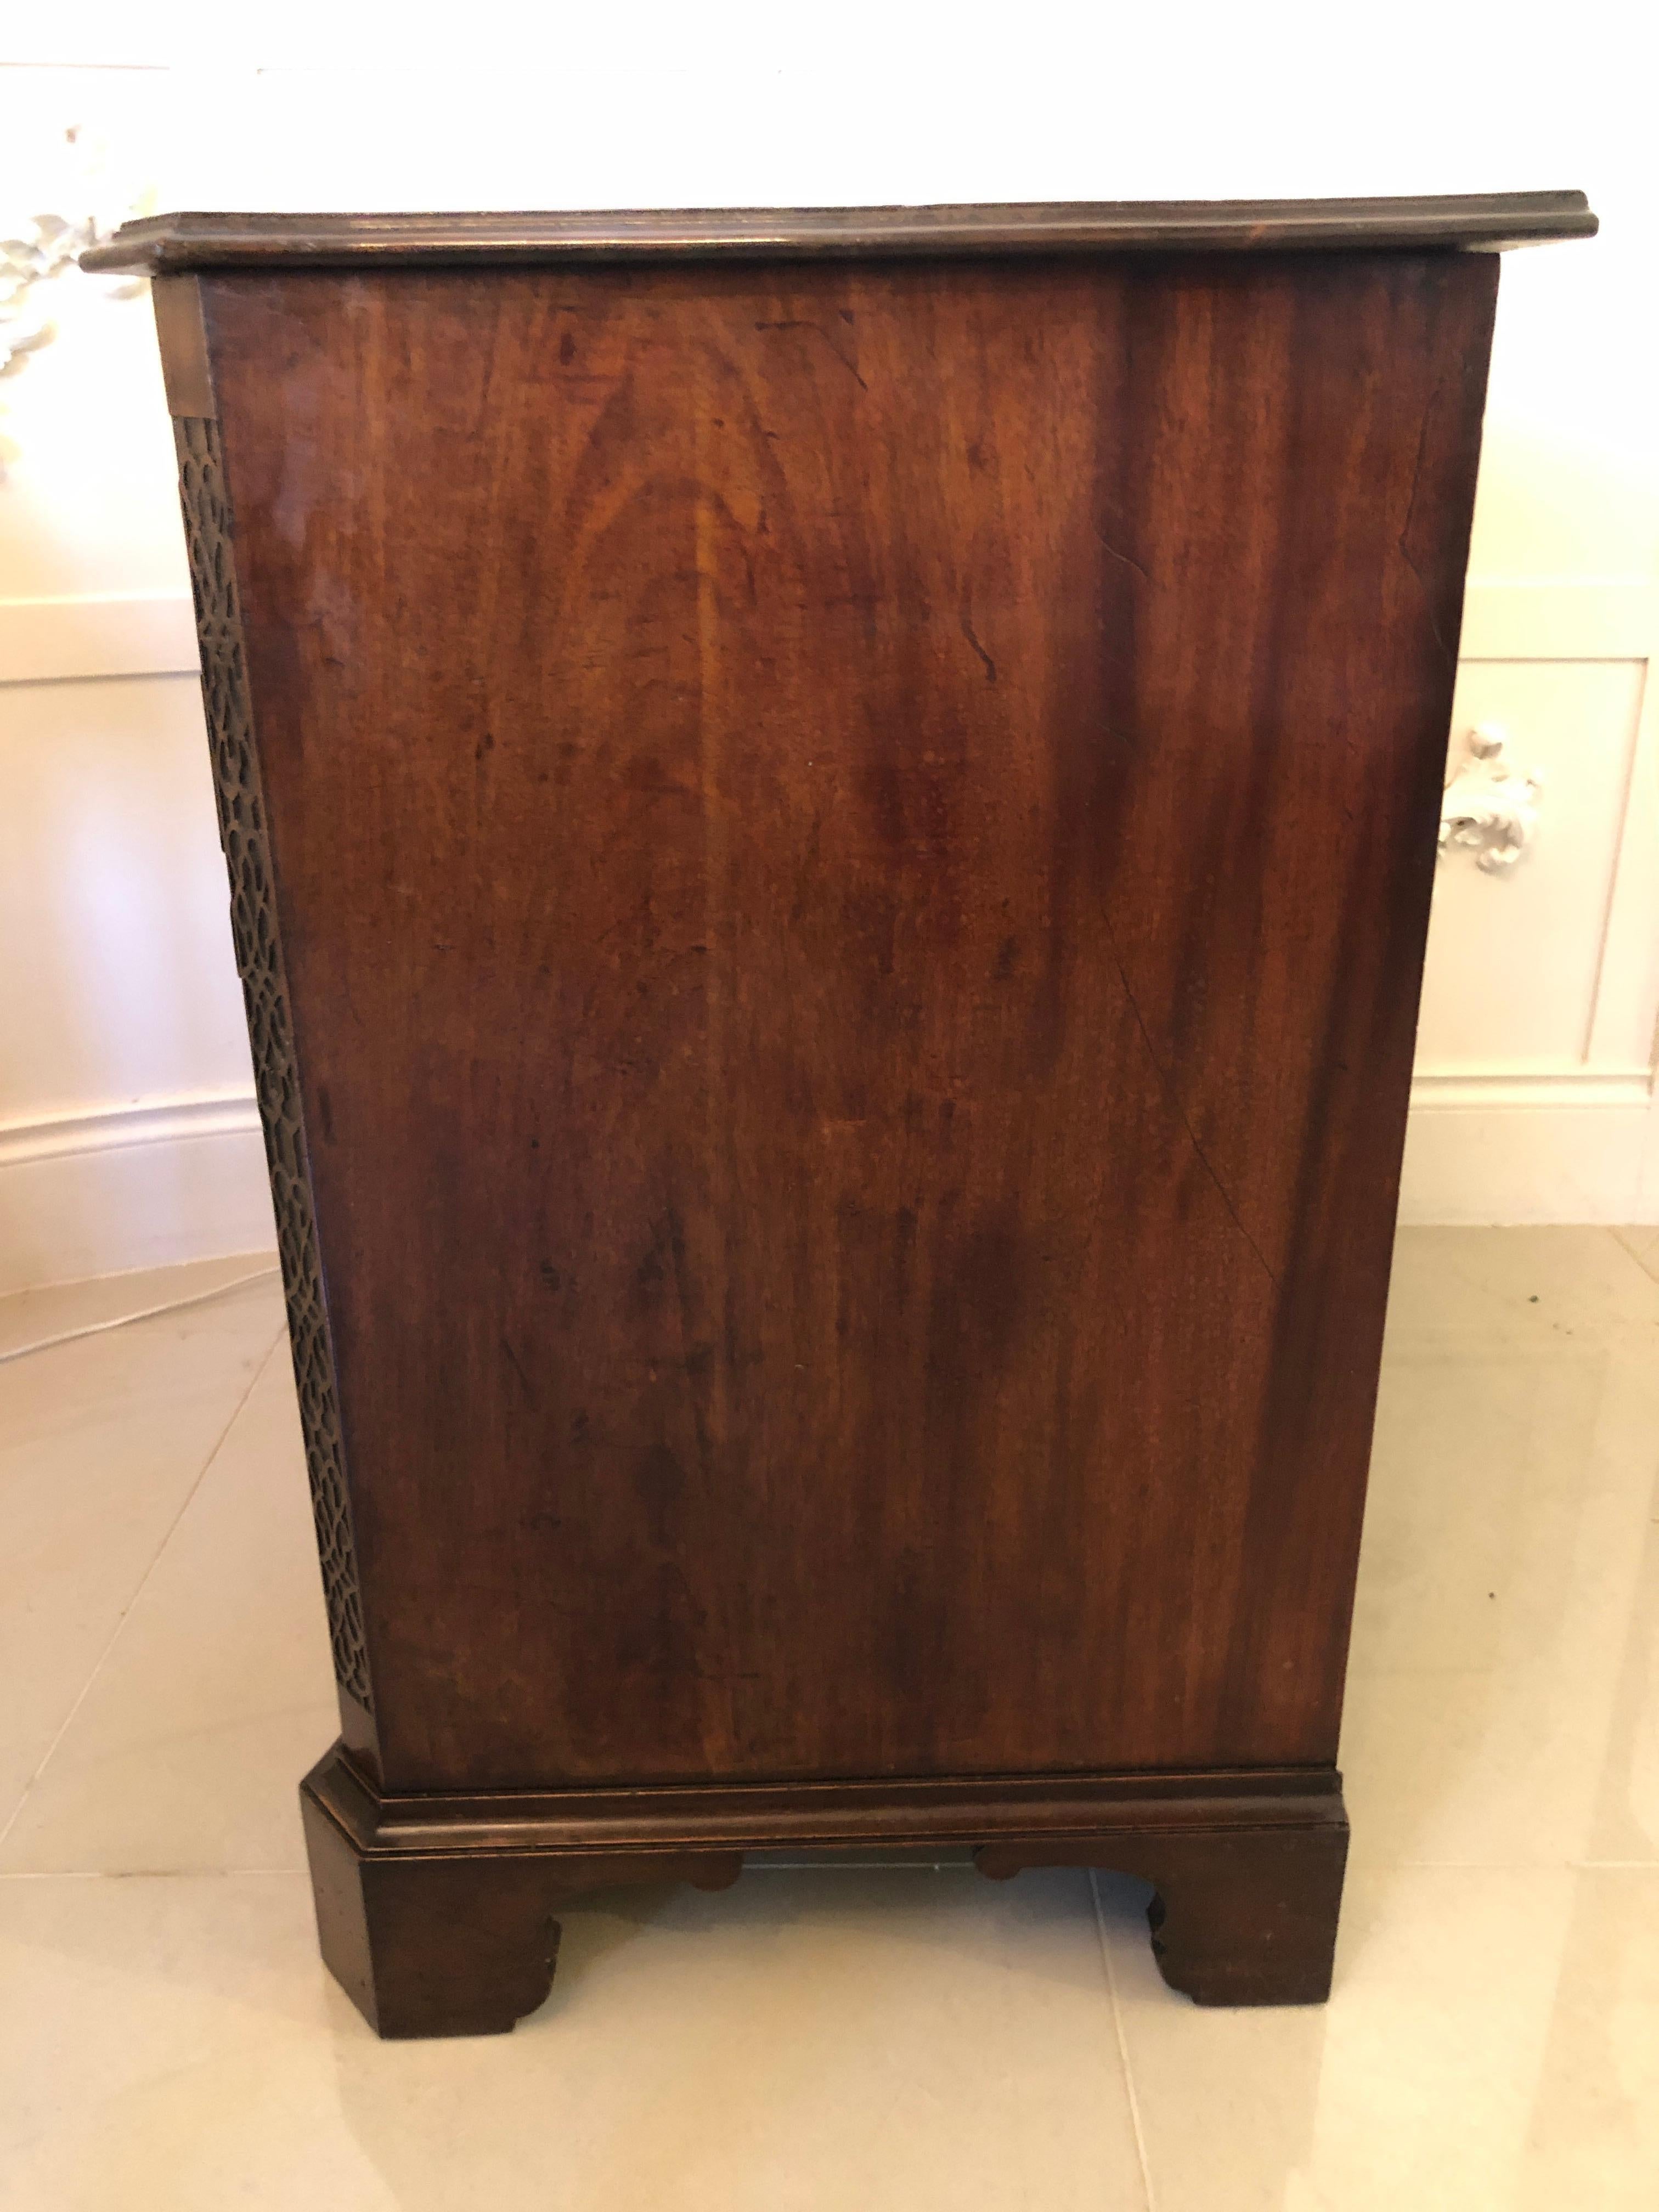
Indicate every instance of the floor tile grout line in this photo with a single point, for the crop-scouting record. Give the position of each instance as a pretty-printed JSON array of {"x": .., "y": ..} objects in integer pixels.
[
  {"x": 144, "y": 1313},
  {"x": 859, "y": 1866},
  {"x": 1146, "y": 2190},
  {"x": 1618, "y": 1231},
  {"x": 1564, "y": 1865},
  {"x": 149, "y": 1873},
  {"x": 142, "y": 1584}
]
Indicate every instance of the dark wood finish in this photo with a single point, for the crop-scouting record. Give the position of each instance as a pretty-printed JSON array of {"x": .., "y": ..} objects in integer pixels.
[
  {"x": 437, "y": 1914},
  {"x": 244, "y": 831},
  {"x": 831, "y": 864},
  {"x": 1240, "y": 1916},
  {"x": 853, "y": 987},
  {"x": 927, "y": 1815},
  {"x": 460, "y": 1945},
  {"x": 1483, "y": 221}
]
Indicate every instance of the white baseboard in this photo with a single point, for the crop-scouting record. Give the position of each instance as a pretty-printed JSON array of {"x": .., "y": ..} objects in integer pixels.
[
  {"x": 149, "y": 1185},
  {"x": 114, "y": 1128},
  {"x": 1578, "y": 1146}
]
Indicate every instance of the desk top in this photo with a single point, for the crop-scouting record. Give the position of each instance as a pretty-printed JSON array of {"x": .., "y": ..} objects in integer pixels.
[{"x": 1484, "y": 221}]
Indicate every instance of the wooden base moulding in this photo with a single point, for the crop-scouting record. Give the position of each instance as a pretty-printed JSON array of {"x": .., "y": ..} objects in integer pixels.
[{"x": 439, "y": 1914}]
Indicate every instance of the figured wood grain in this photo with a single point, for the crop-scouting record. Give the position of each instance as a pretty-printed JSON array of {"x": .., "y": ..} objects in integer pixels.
[
  {"x": 852, "y": 845},
  {"x": 1479, "y": 221}
]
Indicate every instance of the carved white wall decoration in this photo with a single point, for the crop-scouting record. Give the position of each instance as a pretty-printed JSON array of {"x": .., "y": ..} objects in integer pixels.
[
  {"x": 1490, "y": 809},
  {"x": 36, "y": 250},
  {"x": 48, "y": 245}
]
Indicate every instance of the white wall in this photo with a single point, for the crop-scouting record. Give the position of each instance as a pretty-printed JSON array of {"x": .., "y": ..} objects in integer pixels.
[{"x": 126, "y": 1130}]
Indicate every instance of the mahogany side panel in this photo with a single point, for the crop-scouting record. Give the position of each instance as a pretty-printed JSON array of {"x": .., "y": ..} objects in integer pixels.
[{"x": 853, "y": 846}]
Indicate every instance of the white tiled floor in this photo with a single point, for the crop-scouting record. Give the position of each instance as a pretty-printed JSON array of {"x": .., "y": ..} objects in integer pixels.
[{"x": 867, "y": 2039}]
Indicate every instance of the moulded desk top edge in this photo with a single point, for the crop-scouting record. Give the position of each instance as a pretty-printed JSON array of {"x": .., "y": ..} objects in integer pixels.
[{"x": 1471, "y": 222}]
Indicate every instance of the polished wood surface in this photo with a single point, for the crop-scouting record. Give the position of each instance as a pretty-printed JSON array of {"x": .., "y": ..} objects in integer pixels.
[
  {"x": 923, "y": 1814},
  {"x": 830, "y": 818},
  {"x": 440, "y": 1914},
  {"x": 448, "y": 1943},
  {"x": 1482, "y": 220},
  {"x": 853, "y": 846}
]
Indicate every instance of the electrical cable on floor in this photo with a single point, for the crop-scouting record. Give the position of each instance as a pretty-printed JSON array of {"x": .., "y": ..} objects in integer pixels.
[{"x": 147, "y": 1313}]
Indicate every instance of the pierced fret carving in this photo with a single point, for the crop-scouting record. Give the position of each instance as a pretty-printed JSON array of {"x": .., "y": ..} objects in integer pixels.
[{"x": 209, "y": 535}]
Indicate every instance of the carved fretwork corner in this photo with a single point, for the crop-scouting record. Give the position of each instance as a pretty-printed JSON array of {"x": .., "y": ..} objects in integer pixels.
[{"x": 210, "y": 539}]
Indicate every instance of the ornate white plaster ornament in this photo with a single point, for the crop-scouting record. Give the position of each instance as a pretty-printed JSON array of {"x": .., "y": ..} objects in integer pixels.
[
  {"x": 46, "y": 246},
  {"x": 35, "y": 249},
  {"x": 1490, "y": 809}
]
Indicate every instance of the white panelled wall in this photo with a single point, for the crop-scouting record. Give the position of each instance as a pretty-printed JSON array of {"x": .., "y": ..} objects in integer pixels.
[{"x": 127, "y": 1131}]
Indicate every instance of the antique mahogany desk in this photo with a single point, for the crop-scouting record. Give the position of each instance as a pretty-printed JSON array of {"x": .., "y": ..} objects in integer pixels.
[{"x": 830, "y": 818}]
